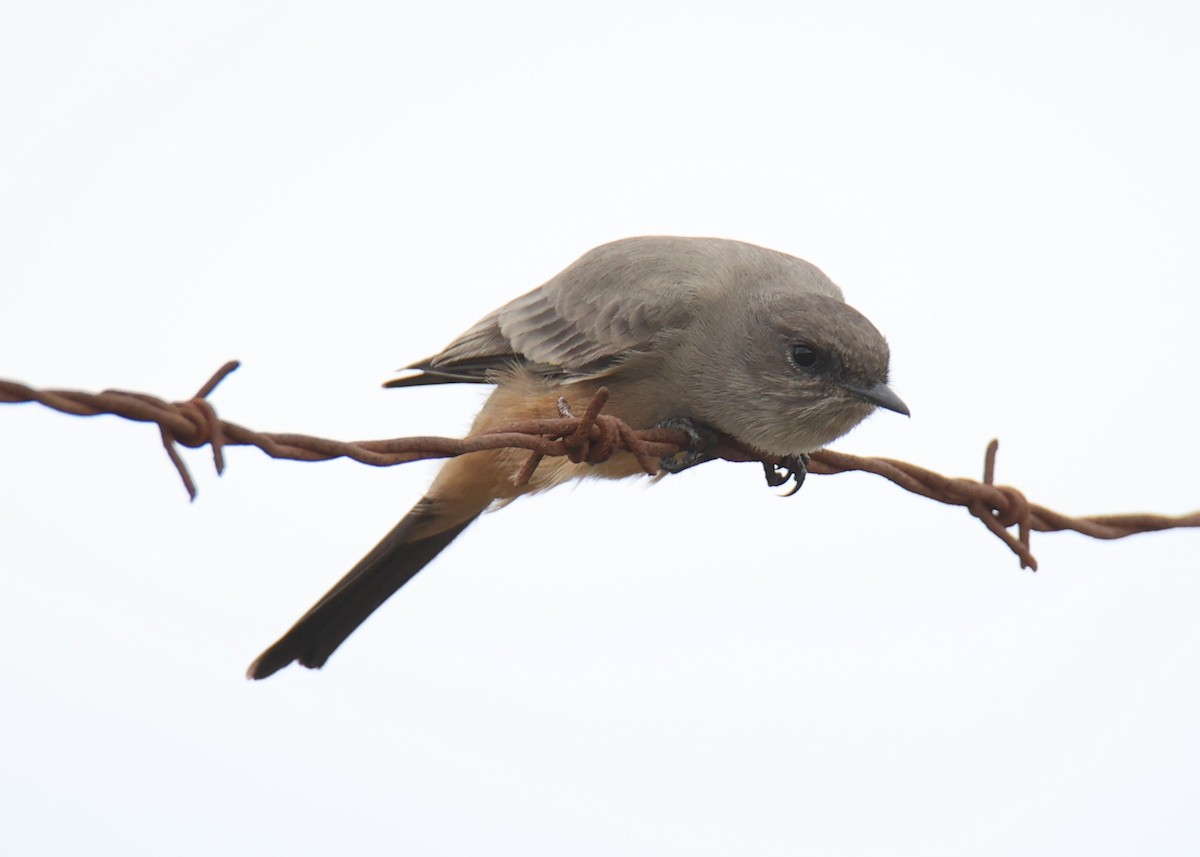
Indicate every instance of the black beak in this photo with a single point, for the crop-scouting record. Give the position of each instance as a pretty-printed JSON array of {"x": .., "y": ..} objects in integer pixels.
[{"x": 882, "y": 396}]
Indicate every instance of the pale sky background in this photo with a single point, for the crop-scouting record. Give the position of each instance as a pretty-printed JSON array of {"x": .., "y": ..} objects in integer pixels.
[{"x": 329, "y": 191}]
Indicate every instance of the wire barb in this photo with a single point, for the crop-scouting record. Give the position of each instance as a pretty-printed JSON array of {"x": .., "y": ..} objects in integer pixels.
[{"x": 592, "y": 438}]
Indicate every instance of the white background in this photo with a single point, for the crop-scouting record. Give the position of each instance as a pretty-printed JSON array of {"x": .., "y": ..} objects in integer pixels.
[{"x": 330, "y": 191}]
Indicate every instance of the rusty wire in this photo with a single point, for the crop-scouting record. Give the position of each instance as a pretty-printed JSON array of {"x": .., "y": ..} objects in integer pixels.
[{"x": 591, "y": 437}]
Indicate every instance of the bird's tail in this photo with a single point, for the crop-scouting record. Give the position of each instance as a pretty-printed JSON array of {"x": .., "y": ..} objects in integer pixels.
[
  {"x": 464, "y": 487},
  {"x": 418, "y": 538}
]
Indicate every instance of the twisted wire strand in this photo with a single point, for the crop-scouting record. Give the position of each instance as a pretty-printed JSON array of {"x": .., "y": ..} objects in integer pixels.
[{"x": 592, "y": 437}]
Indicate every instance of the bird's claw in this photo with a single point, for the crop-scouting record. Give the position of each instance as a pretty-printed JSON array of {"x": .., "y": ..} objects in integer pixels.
[
  {"x": 788, "y": 468},
  {"x": 701, "y": 441}
]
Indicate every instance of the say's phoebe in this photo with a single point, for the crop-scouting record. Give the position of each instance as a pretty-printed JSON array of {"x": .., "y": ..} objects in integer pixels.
[{"x": 717, "y": 334}]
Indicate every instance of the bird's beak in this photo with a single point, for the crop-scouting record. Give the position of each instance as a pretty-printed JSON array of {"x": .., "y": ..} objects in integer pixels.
[{"x": 881, "y": 395}]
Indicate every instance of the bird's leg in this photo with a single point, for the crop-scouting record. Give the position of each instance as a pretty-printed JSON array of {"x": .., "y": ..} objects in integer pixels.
[
  {"x": 702, "y": 439},
  {"x": 786, "y": 469}
]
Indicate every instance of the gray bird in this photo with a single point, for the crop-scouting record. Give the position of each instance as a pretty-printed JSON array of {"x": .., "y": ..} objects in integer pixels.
[{"x": 703, "y": 333}]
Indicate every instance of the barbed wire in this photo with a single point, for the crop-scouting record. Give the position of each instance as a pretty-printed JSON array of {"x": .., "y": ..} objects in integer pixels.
[{"x": 592, "y": 437}]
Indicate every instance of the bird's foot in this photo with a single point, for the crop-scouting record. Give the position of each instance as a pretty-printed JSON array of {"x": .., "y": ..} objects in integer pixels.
[
  {"x": 791, "y": 467},
  {"x": 702, "y": 439}
]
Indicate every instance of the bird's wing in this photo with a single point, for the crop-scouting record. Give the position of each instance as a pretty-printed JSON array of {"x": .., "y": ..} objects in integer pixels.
[{"x": 616, "y": 300}]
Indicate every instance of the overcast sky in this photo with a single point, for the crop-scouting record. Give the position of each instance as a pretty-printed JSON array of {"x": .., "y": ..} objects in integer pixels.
[{"x": 330, "y": 191}]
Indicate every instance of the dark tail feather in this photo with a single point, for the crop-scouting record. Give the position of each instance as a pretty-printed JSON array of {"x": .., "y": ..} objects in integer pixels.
[{"x": 391, "y": 564}]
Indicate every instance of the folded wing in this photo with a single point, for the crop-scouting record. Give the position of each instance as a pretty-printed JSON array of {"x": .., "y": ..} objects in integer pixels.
[{"x": 615, "y": 301}]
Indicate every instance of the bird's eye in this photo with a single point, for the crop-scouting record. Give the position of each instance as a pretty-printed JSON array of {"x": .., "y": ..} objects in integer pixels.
[{"x": 803, "y": 356}]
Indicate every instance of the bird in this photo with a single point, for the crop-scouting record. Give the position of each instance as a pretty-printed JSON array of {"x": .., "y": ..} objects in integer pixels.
[{"x": 705, "y": 334}]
